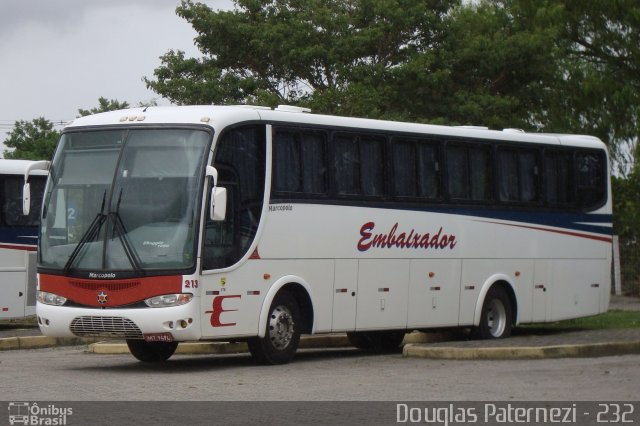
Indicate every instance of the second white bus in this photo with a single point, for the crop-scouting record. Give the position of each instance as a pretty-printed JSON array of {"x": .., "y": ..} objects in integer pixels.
[
  {"x": 247, "y": 223},
  {"x": 19, "y": 235}
]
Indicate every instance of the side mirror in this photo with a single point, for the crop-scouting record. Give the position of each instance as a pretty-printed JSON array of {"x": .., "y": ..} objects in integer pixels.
[
  {"x": 26, "y": 199},
  {"x": 218, "y": 206},
  {"x": 218, "y": 203},
  {"x": 26, "y": 189}
]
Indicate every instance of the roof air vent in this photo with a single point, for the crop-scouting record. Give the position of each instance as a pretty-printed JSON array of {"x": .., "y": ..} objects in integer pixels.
[{"x": 291, "y": 108}]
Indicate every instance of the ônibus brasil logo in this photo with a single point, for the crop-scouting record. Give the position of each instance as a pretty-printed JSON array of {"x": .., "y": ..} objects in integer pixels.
[{"x": 30, "y": 413}]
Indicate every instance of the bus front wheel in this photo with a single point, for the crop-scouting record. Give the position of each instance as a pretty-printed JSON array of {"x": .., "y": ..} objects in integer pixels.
[
  {"x": 151, "y": 351},
  {"x": 282, "y": 336},
  {"x": 496, "y": 317}
]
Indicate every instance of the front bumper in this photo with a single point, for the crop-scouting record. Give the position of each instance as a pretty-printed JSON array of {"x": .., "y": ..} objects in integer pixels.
[{"x": 182, "y": 323}]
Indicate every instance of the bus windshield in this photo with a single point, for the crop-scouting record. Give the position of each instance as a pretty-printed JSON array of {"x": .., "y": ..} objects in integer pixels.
[{"x": 123, "y": 201}]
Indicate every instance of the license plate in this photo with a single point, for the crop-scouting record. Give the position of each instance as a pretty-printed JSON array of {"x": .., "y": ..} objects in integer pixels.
[{"x": 158, "y": 337}]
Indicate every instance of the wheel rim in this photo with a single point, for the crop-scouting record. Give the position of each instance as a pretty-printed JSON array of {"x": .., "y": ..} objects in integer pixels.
[
  {"x": 281, "y": 327},
  {"x": 496, "y": 318}
]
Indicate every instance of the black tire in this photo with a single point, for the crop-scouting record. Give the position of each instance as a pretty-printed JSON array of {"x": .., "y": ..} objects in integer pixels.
[
  {"x": 151, "y": 351},
  {"x": 377, "y": 341},
  {"x": 496, "y": 319},
  {"x": 282, "y": 336}
]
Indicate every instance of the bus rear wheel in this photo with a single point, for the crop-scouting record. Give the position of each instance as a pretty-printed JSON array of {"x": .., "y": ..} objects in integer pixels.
[
  {"x": 151, "y": 351},
  {"x": 496, "y": 317},
  {"x": 377, "y": 341},
  {"x": 282, "y": 336}
]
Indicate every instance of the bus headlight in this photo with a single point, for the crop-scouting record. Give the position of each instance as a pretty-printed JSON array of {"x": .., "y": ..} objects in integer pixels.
[
  {"x": 50, "y": 298},
  {"x": 167, "y": 300}
]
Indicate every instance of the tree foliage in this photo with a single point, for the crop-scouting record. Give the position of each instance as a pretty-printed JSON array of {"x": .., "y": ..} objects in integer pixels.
[
  {"x": 426, "y": 60},
  {"x": 626, "y": 205},
  {"x": 598, "y": 86},
  {"x": 104, "y": 105},
  {"x": 32, "y": 140},
  {"x": 296, "y": 51}
]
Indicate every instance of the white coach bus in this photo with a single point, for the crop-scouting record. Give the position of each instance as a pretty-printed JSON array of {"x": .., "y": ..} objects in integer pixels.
[
  {"x": 247, "y": 223},
  {"x": 19, "y": 235}
]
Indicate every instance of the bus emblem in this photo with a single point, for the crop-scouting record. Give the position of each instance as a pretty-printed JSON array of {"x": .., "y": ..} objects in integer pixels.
[{"x": 102, "y": 297}]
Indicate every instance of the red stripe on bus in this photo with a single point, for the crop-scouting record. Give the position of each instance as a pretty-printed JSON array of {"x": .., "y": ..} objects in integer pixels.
[
  {"x": 15, "y": 247},
  {"x": 556, "y": 231}
]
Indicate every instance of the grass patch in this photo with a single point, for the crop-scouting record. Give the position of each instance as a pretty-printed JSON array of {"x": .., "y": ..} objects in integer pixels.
[{"x": 610, "y": 320}]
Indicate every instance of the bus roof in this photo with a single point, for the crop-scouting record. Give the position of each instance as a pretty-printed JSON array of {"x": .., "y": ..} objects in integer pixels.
[
  {"x": 218, "y": 117},
  {"x": 17, "y": 167}
]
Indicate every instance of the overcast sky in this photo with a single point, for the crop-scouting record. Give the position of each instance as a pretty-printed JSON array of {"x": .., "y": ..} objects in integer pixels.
[{"x": 57, "y": 56}]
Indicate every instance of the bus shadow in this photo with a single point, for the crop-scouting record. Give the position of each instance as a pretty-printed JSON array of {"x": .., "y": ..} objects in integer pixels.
[{"x": 196, "y": 363}]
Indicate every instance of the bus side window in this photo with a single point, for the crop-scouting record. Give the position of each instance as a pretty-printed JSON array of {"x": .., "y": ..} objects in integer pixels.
[
  {"x": 416, "y": 169},
  {"x": 518, "y": 174},
  {"x": 558, "y": 181},
  {"x": 590, "y": 168},
  {"x": 299, "y": 163},
  {"x": 359, "y": 164},
  {"x": 469, "y": 176},
  {"x": 12, "y": 199}
]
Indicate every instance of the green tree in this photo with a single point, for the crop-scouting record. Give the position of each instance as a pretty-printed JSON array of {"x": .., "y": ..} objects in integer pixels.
[
  {"x": 321, "y": 53},
  {"x": 597, "y": 90},
  {"x": 32, "y": 140},
  {"x": 490, "y": 69},
  {"x": 104, "y": 105},
  {"x": 626, "y": 205},
  {"x": 423, "y": 60}
]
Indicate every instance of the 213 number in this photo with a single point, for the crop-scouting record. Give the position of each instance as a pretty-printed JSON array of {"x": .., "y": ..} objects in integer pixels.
[{"x": 190, "y": 283}]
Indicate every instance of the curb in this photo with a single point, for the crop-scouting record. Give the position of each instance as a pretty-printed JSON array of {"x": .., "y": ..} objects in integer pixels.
[
  {"x": 38, "y": 342},
  {"x": 522, "y": 352}
]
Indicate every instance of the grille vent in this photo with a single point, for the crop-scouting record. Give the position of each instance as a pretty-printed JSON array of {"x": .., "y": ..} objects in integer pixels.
[
  {"x": 105, "y": 327},
  {"x": 109, "y": 286}
]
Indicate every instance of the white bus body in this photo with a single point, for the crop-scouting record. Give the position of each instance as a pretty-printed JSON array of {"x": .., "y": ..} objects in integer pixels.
[
  {"x": 331, "y": 224},
  {"x": 18, "y": 237}
]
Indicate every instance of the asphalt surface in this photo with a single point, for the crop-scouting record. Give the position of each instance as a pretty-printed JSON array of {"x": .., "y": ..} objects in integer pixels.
[{"x": 526, "y": 343}]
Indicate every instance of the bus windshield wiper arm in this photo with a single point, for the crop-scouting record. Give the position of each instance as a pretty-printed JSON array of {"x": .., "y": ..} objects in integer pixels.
[
  {"x": 121, "y": 231},
  {"x": 89, "y": 235}
]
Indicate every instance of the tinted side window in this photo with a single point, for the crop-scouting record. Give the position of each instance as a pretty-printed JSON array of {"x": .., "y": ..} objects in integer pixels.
[
  {"x": 359, "y": 164},
  {"x": 469, "y": 175},
  {"x": 416, "y": 169},
  {"x": 299, "y": 162},
  {"x": 518, "y": 175},
  {"x": 559, "y": 188},
  {"x": 590, "y": 181},
  {"x": 11, "y": 192}
]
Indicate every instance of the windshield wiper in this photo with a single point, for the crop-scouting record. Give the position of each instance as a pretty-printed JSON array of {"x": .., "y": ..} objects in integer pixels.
[
  {"x": 89, "y": 235},
  {"x": 121, "y": 231}
]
